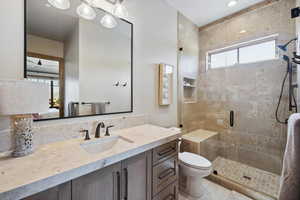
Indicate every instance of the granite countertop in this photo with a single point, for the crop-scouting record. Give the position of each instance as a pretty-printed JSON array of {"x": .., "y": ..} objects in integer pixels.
[{"x": 56, "y": 163}]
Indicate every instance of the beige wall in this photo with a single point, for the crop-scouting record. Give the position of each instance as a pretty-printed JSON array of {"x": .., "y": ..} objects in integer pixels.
[
  {"x": 11, "y": 39},
  {"x": 250, "y": 90},
  {"x": 100, "y": 67},
  {"x": 155, "y": 41},
  {"x": 71, "y": 52},
  {"x": 36, "y": 44}
]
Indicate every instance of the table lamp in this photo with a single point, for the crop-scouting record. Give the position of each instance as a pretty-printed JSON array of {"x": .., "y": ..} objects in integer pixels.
[{"x": 19, "y": 100}]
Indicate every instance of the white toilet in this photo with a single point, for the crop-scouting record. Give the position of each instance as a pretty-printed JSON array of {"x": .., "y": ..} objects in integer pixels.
[{"x": 192, "y": 169}]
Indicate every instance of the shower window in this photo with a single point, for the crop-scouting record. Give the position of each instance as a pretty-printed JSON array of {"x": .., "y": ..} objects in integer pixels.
[
  {"x": 224, "y": 59},
  {"x": 258, "y": 50}
]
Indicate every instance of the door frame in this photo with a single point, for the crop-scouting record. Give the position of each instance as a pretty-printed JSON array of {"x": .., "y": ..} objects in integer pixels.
[{"x": 61, "y": 62}]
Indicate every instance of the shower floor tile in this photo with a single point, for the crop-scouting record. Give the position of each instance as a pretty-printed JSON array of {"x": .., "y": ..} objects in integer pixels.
[
  {"x": 216, "y": 192},
  {"x": 253, "y": 178}
]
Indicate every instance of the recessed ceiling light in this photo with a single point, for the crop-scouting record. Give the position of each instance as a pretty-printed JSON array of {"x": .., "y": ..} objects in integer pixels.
[
  {"x": 232, "y": 3},
  {"x": 243, "y": 31}
]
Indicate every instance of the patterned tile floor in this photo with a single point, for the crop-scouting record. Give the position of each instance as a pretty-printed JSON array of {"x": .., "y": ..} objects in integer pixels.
[
  {"x": 217, "y": 192},
  {"x": 253, "y": 178}
]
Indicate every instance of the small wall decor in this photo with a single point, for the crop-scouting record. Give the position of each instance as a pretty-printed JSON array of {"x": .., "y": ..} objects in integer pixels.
[
  {"x": 23, "y": 135},
  {"x": 165, "y": 84}
]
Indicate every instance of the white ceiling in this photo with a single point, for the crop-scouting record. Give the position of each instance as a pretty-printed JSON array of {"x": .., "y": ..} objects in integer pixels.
[{"x": 202, "y": 12}]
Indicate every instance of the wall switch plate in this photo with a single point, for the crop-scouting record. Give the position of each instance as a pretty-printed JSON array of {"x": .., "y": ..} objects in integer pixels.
[{"x": 295, "y": 12}]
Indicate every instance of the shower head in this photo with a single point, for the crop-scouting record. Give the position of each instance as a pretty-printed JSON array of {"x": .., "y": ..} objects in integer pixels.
[{"x": 284, "y": 47}]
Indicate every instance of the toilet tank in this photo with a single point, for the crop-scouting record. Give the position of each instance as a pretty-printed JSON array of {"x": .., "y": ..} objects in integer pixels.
[{"x": 201, "y": 142}]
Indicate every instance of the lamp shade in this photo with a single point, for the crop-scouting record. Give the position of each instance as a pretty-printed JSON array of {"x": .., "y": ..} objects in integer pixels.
[{"x": 23, "y": 97}]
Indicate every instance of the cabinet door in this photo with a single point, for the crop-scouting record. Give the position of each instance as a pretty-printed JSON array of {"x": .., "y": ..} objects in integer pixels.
[
  {"x": 104, "y": 184},
  {"x": 61, "y": 192},
  {"x": 136, "y": 178}
]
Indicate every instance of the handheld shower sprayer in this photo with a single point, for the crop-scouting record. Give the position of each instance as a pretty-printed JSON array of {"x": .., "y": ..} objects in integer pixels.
[
  {"x": 289, "y": 73},
  {"x": 284, "y": 47}
]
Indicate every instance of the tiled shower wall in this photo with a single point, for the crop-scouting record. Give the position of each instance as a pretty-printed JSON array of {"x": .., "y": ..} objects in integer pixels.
[{"x": 250, "y": 90}]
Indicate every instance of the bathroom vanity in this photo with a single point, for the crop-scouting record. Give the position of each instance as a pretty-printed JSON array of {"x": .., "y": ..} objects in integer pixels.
[{"x": 141, "y": 165}]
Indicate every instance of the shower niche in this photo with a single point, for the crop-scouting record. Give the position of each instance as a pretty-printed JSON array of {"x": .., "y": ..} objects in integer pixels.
[{"x": 189, "y": 89}]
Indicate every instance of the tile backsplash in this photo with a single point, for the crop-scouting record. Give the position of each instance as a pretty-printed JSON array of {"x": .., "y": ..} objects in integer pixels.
[{"x": 55, "y": 131}]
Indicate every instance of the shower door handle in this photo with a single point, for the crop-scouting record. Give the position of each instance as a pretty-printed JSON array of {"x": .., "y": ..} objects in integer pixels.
[{"x": 231, "y": 118}]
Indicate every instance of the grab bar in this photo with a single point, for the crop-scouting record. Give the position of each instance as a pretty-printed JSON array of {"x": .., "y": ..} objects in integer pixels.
[{"x": 91, "y": 103}]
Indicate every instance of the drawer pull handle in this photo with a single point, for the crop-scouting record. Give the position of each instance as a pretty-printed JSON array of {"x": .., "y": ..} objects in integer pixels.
[
  {"x": 166, "y": 173},
  {"x": 170, "y": 197},
  {"x": 167, "y": 151},
  {"x": 126, "y": 183},
  {"x": 118, "y": 185}
]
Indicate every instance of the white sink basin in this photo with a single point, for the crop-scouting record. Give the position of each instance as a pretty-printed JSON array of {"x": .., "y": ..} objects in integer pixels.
[{"x": 103, "y": 144}]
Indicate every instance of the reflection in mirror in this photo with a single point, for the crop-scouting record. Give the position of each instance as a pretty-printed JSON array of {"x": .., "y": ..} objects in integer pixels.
[{"x": 87, "y": 66}]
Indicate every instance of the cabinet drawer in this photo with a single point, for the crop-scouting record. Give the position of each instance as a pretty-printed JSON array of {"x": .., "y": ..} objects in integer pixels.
[
  {"x": 164, "y": 152},
  {"x": 170, "y": 193},
  {"x": 164, "y": 174}
]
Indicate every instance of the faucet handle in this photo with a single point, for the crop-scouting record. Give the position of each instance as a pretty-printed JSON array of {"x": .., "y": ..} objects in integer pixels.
[
  {"x": 107, "y": 130},
  {"x": 87, "y": 135}
]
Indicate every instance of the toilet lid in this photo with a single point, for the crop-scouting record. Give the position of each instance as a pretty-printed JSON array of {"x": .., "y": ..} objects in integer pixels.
[{"x": 194, "y": 160}]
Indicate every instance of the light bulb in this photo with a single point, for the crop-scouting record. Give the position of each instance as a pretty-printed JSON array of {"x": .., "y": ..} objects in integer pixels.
[
  {"x": 85, "y": 11},
  {"x": 60, "y": 4},
  {"x": 232, "y": 3},
  {"x": 108, "y": 21},
  {"x": 120, "y": 11}
]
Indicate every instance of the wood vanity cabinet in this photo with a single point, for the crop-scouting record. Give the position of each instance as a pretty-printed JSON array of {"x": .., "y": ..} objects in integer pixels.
[
  {"x": 61, "y": 192},
  {"x": 136, "y": 177},
  {"x": 126, "y": 180},
  {"x": 104, "y": 184},
  {"x": 165, "y": 172},
  {"x": 151, "y": 175}
]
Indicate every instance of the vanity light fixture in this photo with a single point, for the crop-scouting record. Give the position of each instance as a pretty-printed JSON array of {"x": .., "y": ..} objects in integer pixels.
[
  {"x": 86, "y": 11},
  {"x": 108, "y": 21},
  {"x": 232, "y": 3},
  {"x": 120, "y": 10},
  {"x": 60, "y": 4}
]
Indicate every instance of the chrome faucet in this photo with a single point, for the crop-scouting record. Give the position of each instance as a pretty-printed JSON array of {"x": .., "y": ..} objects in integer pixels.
[{"x": 99, "y": 126}]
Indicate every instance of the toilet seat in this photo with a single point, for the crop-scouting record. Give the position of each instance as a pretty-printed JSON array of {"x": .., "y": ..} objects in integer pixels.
[{"x": 194, "y": 161}]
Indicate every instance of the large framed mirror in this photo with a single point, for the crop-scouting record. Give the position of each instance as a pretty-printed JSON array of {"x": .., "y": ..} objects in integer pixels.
[{"x": 87, "y": 66}]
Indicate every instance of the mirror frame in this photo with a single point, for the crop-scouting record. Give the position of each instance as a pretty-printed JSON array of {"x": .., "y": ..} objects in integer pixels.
[{"x": 131, "y": 68}]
